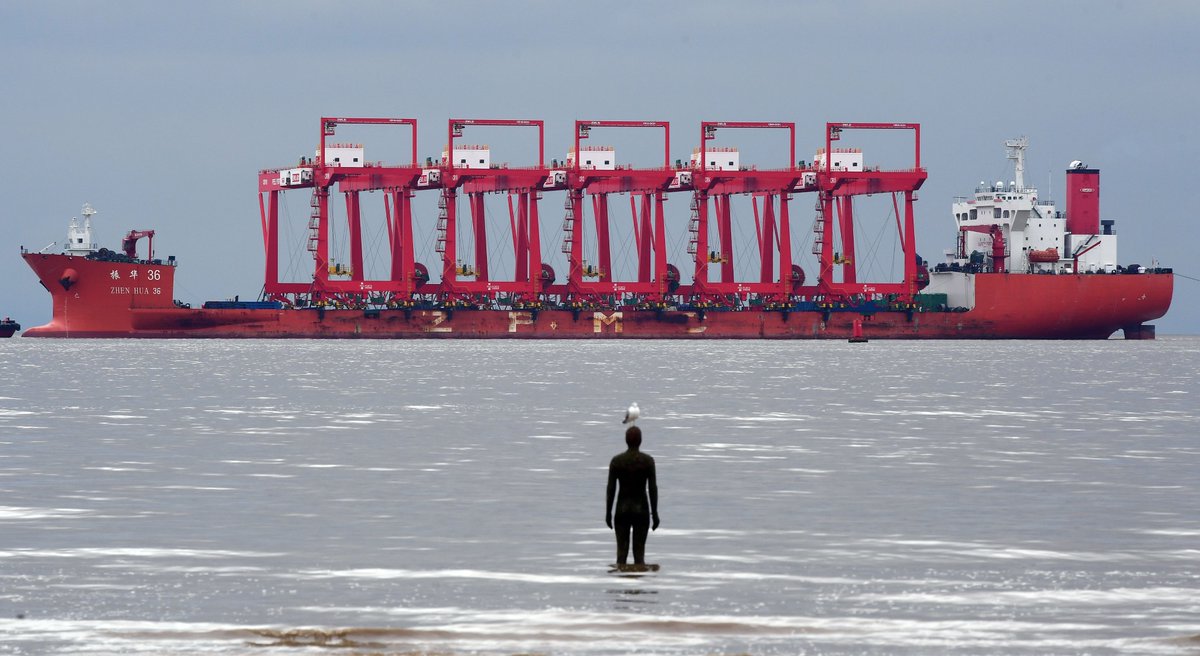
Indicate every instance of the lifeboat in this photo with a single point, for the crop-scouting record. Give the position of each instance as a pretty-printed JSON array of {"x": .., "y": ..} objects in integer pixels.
[{"x": 1046, "y": 255}]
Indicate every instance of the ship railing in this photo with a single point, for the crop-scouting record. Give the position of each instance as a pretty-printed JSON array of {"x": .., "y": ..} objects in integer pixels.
[
  {"x": 558, "y": 164},
  {"x": 873, "y": 169},
  {"x": 693, "y": 166},
  {"x": 1004, "y": 189}
]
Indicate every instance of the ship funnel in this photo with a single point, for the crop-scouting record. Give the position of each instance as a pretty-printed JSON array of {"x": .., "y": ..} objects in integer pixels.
[{"x": 1083, "y": 200}]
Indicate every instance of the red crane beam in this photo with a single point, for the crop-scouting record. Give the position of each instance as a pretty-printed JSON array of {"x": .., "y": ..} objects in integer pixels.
[{"x": 329, "y": 126}]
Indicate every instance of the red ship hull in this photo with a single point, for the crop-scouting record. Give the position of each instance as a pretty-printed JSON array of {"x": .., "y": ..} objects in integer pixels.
[{"x": 95, "y": 298}]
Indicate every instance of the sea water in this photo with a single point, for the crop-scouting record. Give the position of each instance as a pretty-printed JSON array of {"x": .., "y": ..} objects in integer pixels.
[{"x": 398, "y": 497}]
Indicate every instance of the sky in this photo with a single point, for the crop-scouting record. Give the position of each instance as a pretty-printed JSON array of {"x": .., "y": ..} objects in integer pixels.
[{"x": 161, "y": 114}]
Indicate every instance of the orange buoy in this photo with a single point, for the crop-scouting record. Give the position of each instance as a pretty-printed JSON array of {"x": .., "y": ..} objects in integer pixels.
[{"x": 856, "y": 336}]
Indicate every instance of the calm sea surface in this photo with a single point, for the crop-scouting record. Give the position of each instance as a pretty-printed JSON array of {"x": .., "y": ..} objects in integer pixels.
[{"x": 391, "y": 497}]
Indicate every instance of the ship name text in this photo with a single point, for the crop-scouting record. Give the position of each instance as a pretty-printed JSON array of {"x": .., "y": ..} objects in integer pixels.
[{"x": 134, "y": 291}]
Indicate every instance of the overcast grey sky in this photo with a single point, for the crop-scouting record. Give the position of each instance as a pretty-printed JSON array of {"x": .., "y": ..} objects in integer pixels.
[{"x": 160, "y": 114}]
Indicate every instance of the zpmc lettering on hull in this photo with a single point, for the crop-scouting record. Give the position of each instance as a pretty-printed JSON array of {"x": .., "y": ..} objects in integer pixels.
[{"x": 599, "y": 320}]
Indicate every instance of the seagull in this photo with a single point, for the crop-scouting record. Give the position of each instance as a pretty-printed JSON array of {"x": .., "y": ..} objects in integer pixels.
[{"x": 632, "y": 414}]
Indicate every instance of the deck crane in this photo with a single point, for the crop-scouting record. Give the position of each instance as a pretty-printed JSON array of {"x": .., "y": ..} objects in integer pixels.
[
  {"x": 999, "y": 246},
  {"x": 129, "y": 243}
]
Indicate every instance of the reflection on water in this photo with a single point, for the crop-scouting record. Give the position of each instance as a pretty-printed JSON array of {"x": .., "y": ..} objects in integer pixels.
[
  {"x": 633, "y": 595},
  {"x": 342, "y": 638},
  {"x": 1012, "y": 497}
]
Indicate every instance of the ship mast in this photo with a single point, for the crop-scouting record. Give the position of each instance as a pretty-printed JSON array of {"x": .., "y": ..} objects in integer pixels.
[{"x": 1016, "y": 152}]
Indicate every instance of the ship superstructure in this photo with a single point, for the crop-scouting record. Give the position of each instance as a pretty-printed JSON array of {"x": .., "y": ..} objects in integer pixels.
[
  {"x": 79, "y": 235},
  {"x": 1034, "y": 235}
]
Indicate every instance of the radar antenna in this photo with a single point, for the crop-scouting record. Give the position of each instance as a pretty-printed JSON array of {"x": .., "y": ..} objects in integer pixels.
[{"x": 1016, "y": 151}]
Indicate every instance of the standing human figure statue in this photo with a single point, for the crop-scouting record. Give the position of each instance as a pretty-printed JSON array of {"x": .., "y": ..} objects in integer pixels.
[{"x": 633, "y": 472}]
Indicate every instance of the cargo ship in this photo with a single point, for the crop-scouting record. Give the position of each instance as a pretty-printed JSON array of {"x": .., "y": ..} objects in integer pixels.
[
  {"x": 8, "y": 327},
  {"x": 1020, "y": 268}
]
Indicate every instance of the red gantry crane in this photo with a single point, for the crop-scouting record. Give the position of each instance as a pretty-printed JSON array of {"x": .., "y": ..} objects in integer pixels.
[
  {"x": 590, "y": 176},
  {"x": 718, "y": 178}
]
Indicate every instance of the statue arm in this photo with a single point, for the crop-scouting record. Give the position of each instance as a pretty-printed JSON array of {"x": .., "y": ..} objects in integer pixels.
[
  {"x": 653, "y": 484},
  {"x": 610, "y": 494}
]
